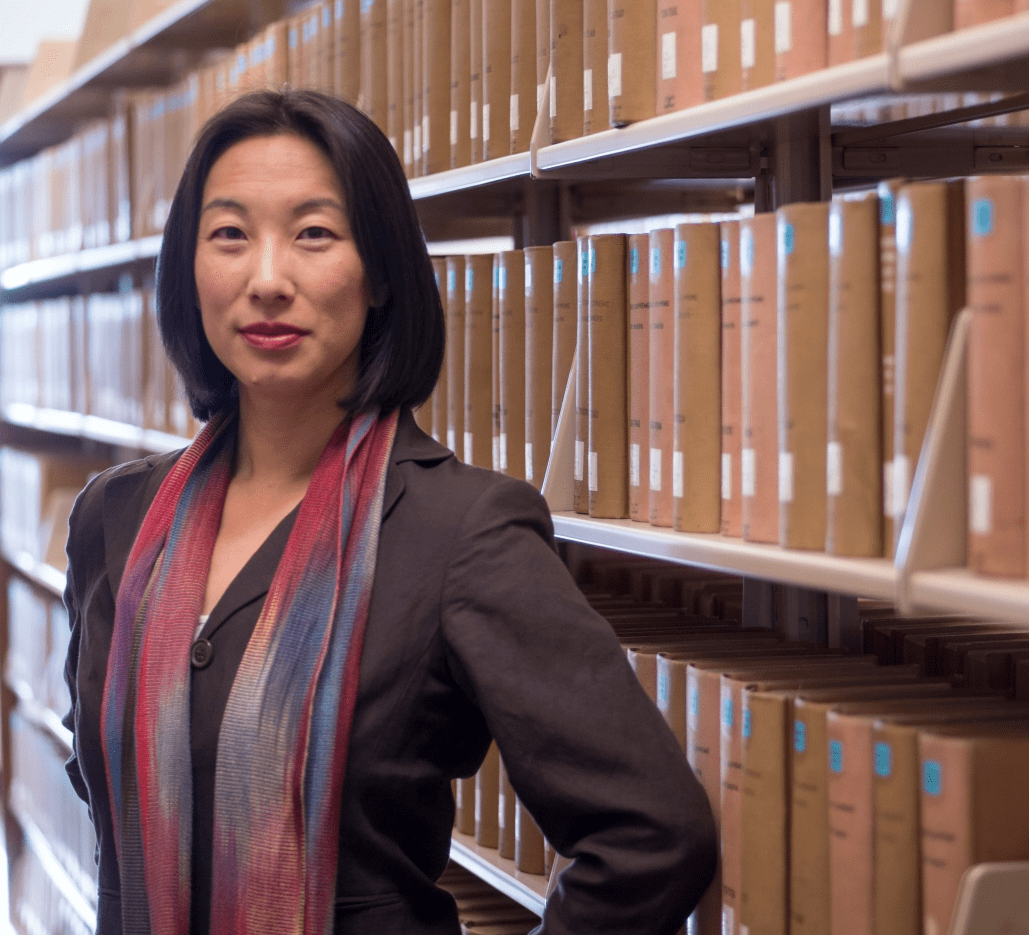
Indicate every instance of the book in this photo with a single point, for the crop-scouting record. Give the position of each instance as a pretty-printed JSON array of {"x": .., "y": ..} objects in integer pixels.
[
  {"x": 638, "y": 297},
  {"x": 757, "y": 43},
  {"x": 347, "y": 69},
  {"x": 506, "y": 805},
  {"x": 801, "y": 37},
  {"x": 478, "y": 357},
  {"x": 662, "y": 373},
  {"x": 565, "y": 324},
  {"x": 495, "y": 368},
  {"x": 888, "y": 192},
  {"x": 511, "y": 285},
  {"x": 582, "y": 387},
  {"x": 496, "y": 78},
  {"x": 840, "y": 23},
  {"x": 528, "y": 842},
  {"x": 680, "y": 80},
  {"x": 455, "y": 286},
  {"x": 523, "y": 74},
  {"x": 435, "y": 115},
  {"x": 732, "y": 384},
  {"x": 595, "y": 111},
  {"x": 440, "y": 391},
  {"x": 539, "y": 356},
  {"x": 542, "y": 50},
  {"x": 475, "y": 12},
  {"x": 374, "y": 77},
  {"x": 487, "y": 800},
  {"x": 720, "y": 48},
  {"x": 460, "y": 83},
  {"x": 566, "y": 70},
  {"x": 632, "y": 60},
  {"x": 414, "y": 70},
  {"x": 974, "y": 12},
  {"x": 869, "y": 34}
]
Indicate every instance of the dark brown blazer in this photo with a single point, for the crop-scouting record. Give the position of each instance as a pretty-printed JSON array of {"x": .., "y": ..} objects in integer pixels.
[{"x": 475, "y": 630}]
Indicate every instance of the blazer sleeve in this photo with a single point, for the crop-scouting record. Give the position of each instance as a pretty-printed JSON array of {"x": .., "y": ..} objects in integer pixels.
[{"x": 585, "y": 748}]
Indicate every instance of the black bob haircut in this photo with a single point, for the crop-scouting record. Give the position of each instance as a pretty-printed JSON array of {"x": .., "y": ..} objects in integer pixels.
[{"x": 402, "y": 345}]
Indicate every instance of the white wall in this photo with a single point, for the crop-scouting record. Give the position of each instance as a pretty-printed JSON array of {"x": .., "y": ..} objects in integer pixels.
[{"x": 24, "y": 22}]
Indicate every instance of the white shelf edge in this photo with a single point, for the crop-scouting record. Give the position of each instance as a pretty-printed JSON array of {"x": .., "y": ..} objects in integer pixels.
[
  {"x": 961, "y": 590},
  {"x": 499, "y": 873},
  {"x": 501, "y": 169},
  {"x": 39, "y": 573},
  {"x": 76, "y": 424},
  {"x": 39, "y": 713},
  {"x": 93, "y": 259},
  {"x": 868, "y": 577}
]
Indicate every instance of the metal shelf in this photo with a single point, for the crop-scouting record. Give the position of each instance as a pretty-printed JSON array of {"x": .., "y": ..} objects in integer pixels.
[
  {"x": 960, "y": 590},
  {"x": 527, "y": 889},
  {"x": 39, "y": 714},
  {"x": 77, "y": 425},
  {"x": 503, "y": 169},
  {"x": 39, "y": 573},
  {"x": 42, "y": 272}
]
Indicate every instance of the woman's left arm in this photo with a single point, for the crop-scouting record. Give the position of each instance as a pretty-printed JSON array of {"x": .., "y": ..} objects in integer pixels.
[{"x": 585, "y": 748}]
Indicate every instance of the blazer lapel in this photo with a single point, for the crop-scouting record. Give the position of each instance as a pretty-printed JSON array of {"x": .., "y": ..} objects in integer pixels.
[{"x": 410, "y": 444}]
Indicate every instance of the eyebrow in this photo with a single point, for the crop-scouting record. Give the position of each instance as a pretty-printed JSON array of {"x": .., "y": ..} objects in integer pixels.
[{"x": 305, "y": 207}]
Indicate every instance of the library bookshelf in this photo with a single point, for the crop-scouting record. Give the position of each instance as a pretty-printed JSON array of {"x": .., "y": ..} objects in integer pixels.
[{"x": 784, "y": 139}]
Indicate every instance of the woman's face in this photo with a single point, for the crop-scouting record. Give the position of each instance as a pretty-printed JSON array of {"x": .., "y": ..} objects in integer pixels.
[{"x": 281, "y": 287}]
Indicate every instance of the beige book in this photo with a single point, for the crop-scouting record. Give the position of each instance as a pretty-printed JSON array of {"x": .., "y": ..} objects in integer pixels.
[
  {"x": 542, "y": 49},
  {"x": 565, "y": 316},
  {"x": 888, "y": 192},
  {"x": 528, "y": 842},
  {"x": 417, "y": 89},
  {"x": 867, "y": 20},
  {"x": 680, "y": 78},
  {"x": 464, "y": 801},
  {"x": 853, "y": 457},
  {"x": 720, "y": 49},
  {"x": 511, "y": 285},
  {"x": 455, "y": 286},
  {"x": 373, "y": 61},
  {"x": 696, "y": 402},
  {"x": 759, "y": 453},
  {"x": 408, "y": 30},
  {"x": 487, "y": 800},
  {"x": 310, "y": 38},
  {"x": 106, "y": 22},
  {"x": 732, "y": 383},
  {"x": 803, "y": 264},
  {"x": 757, "y": 43},
  {"x": 523, "y": 74},
  {"x": 607, "y": 467},
  {"x": 996, "y": 375},
  {"x": 460, "y": 83},
  {"x": 440, "y": 393},
  {"x": 973, "y": 12},
  {"x": 496, "y": 78},
  {"x": 632, "y": 60},
  {"x": 475, "y": 12},
  {"x": 595, "y": 110},
  {"x": 840, "y": 23},
  {"x": 495, "y": 370},
  {"x": 582, "y": 412},
  {"x": 638, "y": 297},
  {"x": 436, "y": 86},
  {"x": 566, "y": 63},
  {"x": 539, "y": 356},
  {"x": 506, "y": 805},
  {"x": 395, "y": 10},
  {"x": 347, "y": 70},
  {"x": 276, "y": 58},
  {"x": 662, "y": 373},
  {"x": 478, "y": 356},
  {"x": 801, "y": 37},
  {"x": 930, "y": 291}
]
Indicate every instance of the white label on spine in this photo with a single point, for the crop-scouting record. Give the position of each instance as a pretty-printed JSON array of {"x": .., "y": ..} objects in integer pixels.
[
  {"x": 514, "y": 113},
  {"x": 496, "y": 452},
  {"x": 528, "y": 462},
  {"x": 783, "y": 26},
  {"x": 901, "y": 483},
  {"x": 835, "y": 17},
  {"x": 748, "y": 472},
  {"x": 553, "y": 97},
  {"x": 587, "y": 89},
  {"x": 485, "y": 123},
  {"x": 655, "y": 470},
  {"x": 678, "y": 485},
  {"x": 785, "y": 476},
  {"x": 474, "y": 121},
  {"x": 416, "y": 151},
  {"x": 425, "y": 133},
  {"x": 593, "y": 471},
  {"x": 834, "y": 469},
  {"x": 452, "y": 440},
  {"x": 540, "y": 88},
  {"x": 890, "y": 8},
  {"x": 528, "y": 276},
  {"x": 580, "y": 453},
  {"x": 614, "y": 74},
  {"x": 407, "y": 147},
  {"x": 728, "y": 919},
  {"x": 503, "y": 451},
  {"x": 726, "y": 475},
  {"x": 888, "y": 488},
  {"x": 709, "y": 48},
  {"x": 667, "y": 55},
  {"x": 748, "y": 43},
  {"x": 634, "y": 465},
  {"x": 980, "y": 504},
  {"x": 453, "y": 128},
  {"x": 467, "y": 447},
  {"x": 859, "y": 13}
]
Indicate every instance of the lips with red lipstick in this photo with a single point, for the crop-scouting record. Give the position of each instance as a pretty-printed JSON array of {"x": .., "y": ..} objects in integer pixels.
[{"x": 272, "y": 335}]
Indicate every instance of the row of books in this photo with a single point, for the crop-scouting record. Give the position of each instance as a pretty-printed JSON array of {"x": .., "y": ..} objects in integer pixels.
[
  {"x": 38, "y": 905},
  {"x": 482, "y": 910},
  {"x": 99, "y": 355},
  {"x": 37, "y": 644}
]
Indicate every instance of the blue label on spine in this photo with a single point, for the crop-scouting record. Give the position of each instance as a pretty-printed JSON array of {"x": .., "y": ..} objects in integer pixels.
[
  {"x": 799, "y": 737},
  {"x": 836, "y": 756},
  {"x": 931, "y": 777},
  {"x": 634, "y": 260},
  {"x": 883, "y": 760},
  {"x": 887, "y": 214},
  {"x": 680, "y": 254},
  {"x": 746, "y": 722},
  {"x": 982, "y": 217},
  {"x": 559, "y": 271},
  {"x": 727, "y": 712}
]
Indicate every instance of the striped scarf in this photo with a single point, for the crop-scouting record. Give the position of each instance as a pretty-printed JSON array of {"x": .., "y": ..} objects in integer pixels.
[{"x": 282, "y": 746}]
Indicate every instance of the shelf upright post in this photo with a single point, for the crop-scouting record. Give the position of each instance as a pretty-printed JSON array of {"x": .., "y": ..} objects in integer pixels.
[
  {"x": 801, "y": 157},
  {"x": 543, "y": 219}
]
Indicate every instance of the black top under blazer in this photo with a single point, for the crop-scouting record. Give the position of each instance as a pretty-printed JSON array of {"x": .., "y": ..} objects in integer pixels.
[{"x": 475, "y": 630}]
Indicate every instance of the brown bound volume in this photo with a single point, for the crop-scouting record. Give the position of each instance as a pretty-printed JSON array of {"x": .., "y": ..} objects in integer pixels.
[
  {"x": 506, "y": 805},
  {"x": 347, "y": 26},
  {"x": 680, "y": 80},
  {"x": 523, "y": 73},
  {"x": 930, "y": 291},
  {"x": 475, "y": 13},
  {"x": 276, "y": 56},
  {"x": 478, "y": 358},
  {"x": 638, "y": 294},
  {"x": 853, "y": 477},
  {"x": 373, "y": 61},
  {"x": 632, "y": 60},
  {"x": 867, "y": 20},
  {"x": 455, "y": 353},
  {"x": 720, "y": 48},
  {"x": 757, "y": 43},
  {"x": 888, "y": 192},
  {"x": 840, "y": 22},
  {"x": 595, "y": 111},
  {"x": 607, "y": 461},
  {"x": 566, "y": 307},
  {"x": 440, "y": 393},
  {"x": 759, "y": 455},
  {"x": 487, "y": 800},
  {"x": 803, "y": 263},
  {"x": 542, "y": 48},
  {"x": 662, "y": 374},
  {"x": 436, "y": 86},
  {"x": 732, "y": 384},
  {"x": 496, "y": 78},
  {"x": 495, "y": 370},
  {"x": 973, "y": 12},
  {"x": 697, "y": 433},
  {"x": 460, "y": 83},
  {"x": 395, "y": 80},
  {"x": 511, "y": 284},
  {"x": 582, "y": 386},
  {"x": 106, "y": 22},
  {"x": 566, "y": 77},
  {"x": 996, "y": 375},
  {"x": 464, "y": 801},
  {"x": 528, "y": 842},
  {"x": 417, "y": 89},
  {"x": 539, "y": 356},
  {"x": 801, "y": 37},
  {"x": 406, "y": 83}
]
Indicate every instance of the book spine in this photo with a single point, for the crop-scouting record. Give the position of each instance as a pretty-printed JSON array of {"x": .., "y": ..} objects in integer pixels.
[
  {"x": 595, "y": 111},
  {"x": 441, "y": 390},
  {"x": 662, "y": 374},
  {"x": 523, "y": 74},
  {"x": 455, "y": 353},
  {"x": 460, "y": 84},
  {"x": 395, "y": 79},
  {"x": 801, "y": 37},
  {"x": 496, "y": 78},
  {"x": 475, "y": 14},
  {"x": 975, "y": 12},
  {"x": 511, "y": 272},
  {"x": 436, "y": 86},
  {"x": 487, "y": 800},
  {"x": 632, "y": 60},
  {"x": 888, "y": 192},
  {"x": 731, "y": 772},
  {"x": 720, "y": 49},
  {"x": 566, "y": 79},
  {"x": 373, "y": 61},
  {"x": 528, "y": 842},
  {"x": 417, "y": 91},
  {"x": 840, "y": 27},
  {"x": 539, "y": 355},
  {"x": 757, "y": 43},
  {"x": 867, "y": 20},
  {"x": 505, "y": 815},
  {"x": 582, "y": 412},
  {"x": 565, "y": 324},
  {"x": 671, "y": 694},
  {"x": 478, "y": 392},
  {"x": 732, "y": 384},
  {"x": 495, "y": 368},
  {"x": 542, "y": 50},
  {"x": 408, "y": 29},
  {"x": 638, "y": 292},
  {"x": 348, "y": 49}
]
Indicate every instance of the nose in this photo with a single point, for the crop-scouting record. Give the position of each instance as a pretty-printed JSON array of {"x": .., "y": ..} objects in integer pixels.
[{"x": 271, "y": 281}]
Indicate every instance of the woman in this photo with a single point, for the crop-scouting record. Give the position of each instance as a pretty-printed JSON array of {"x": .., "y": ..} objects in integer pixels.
[{"x": 289, "y": 639}]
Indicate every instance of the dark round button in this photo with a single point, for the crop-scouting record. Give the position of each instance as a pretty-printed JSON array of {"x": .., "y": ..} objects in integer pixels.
[{"x": 201, "y": 654}]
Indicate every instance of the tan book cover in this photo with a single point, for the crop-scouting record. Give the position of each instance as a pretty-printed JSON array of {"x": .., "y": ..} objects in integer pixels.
[
  {"x": 436, "y": 86},
  {"x": 720, "y": 49},
  {"x": 523, "y": 74},
  {"x": 539, "y": 357},
  {"x": 995, "y": 207},
  {"x": 106, "y": 22},
  {"x": 464, "y": 801},
  {"x": 680, "y": 79},
  {"x": 408, "y": 30},
  {"x": 295, "y": 62},
  {"x": 513, "y": 369},
  {"x": 487, "y": 800},
  {"x": 638, "y": 297},
  {"x": 867, "y": 20},
  {"x": 582, "y": 386},
  {"x": 732, "y": 382},
  {"x": 595, "y": 110},
  {"x": 310, "y": 38},
  {"x": 276, "y": 57},
  {"x": 607, "y": 468},
  {"x": 496, "y": 78},
  {"x": 478, "y": 356},
  {"x": 840, "y": 22},
  {"x": 542, "y": 48},
  {"x": 475, "y": 12},
  {"x": 395, "y": 10},
  {"x": 888, "y": 192},
  {"x": 455, "y": 287},
  {"x": 327, "y": 45},
  {"x": 495, "y": 368},
  {"x": 374, "y": 77},
  {"x": 696, "y": 398},
  {"x": 440, "y": 393},
  {"x": 801, "y": 37},
  {"x": 506, "y": 805},
  {"x": 853, "y": 455},
  {"x": 460, "y": 83},
  {"x": 757, "y": 43},
  {"x": 930, "y": 291},
  {"x": 566, "y": 78},
  {"x": 759, "y": 454},
  {"x": 974, "y": 12},
  {"x": 565, "y": 315},
  {"x": 662, "y": 373},
  {"x": 803, "y": 263},
  {"x": 347, "y": 28},
  {"x": 632, "y": 60},
  {"x": 417, "y": 90},
  {"x": 528, "y": 842}
]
